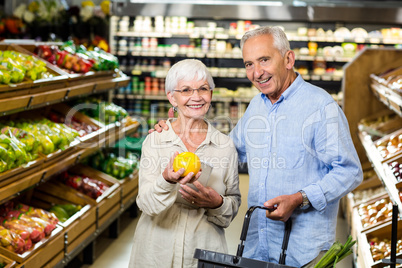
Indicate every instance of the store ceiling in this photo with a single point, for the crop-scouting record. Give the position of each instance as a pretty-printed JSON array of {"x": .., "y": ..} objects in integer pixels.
[
  {"x": 267, "y": 10},
  {"x": 330, "y": 3}
]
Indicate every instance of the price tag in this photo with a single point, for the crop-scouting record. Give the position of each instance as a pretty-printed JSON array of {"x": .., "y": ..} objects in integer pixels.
[
  {"x": 194, "y": 35},
  {"x": 374, "y": 40},
  {"x": 221, "y": 36}
]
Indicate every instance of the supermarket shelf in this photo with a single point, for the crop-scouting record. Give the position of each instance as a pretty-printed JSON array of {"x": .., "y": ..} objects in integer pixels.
[
  {"x": 222, "y": 55},
  {"x": 377, "y": 163},
  {"x": 291, "y": 37},
  {"x": 16, "y": 101},
  {"x": 68, "y": 256},
  {"x": 79, "y": 151},
  {"x": 388, "y": 97}
]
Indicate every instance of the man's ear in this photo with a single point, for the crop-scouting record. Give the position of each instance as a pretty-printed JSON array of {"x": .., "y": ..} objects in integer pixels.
[
  {"x": 171, "y": 99},
  {"x": 289, "y": 59}
]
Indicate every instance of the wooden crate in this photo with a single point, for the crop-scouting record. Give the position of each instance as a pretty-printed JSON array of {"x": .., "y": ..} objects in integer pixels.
[
  {"x": 8, "y": 262},
  {"x": 389, "y": 173},
  {"x": 384, "y": 140},
  {"x": 365, "y": 257},
  {"x": 54, "y": 261},
  {"x": 57, "y": 155},
  {"x": 69, "y": 112},
  {"x": 50, "y": 193},
  {"x": 353, "y": 221},
  {"x": 59, "y": 76},
  {"x": 75, "y": 228},
  {"x": 357, "y": 221},
  {"x": 129, "y": 189},
  {"x": 393, "y": 123},
  {"x": 110, "y": 198},
  {"x": 41, "y": 252},
  {"x": 386, "y": 95},
  {"x": 12, "y": 175}
]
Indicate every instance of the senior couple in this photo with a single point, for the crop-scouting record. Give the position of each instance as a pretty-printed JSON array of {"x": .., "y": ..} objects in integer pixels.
[{"x": 295, "y": 139}]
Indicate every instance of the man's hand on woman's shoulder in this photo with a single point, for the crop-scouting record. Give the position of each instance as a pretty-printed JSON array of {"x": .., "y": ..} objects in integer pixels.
[{"x": 161, "y": 125}]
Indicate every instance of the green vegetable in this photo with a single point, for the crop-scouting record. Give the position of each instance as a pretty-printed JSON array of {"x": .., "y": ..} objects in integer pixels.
[
  {"x": 330, "y": 256},
  {"x": 335, "y": 254},
  {"x": 60, "y": 213}
]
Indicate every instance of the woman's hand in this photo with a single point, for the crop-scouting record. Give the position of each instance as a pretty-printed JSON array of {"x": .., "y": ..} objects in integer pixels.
[
  {"x": 175, "y": 177},
  {"x": 205, "y": 197}
]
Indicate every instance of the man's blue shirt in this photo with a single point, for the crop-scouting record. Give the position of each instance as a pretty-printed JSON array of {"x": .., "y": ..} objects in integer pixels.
[{"x": 301, "y": 142}]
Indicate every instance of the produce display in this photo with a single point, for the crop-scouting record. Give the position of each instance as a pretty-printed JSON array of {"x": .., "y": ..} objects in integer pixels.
[
  {"x": 64, "y": 211},
  {"x": 381, "y": 248},
  {"x": 364, "y": 195},
  {"x": 390, "y": 147},
  {"x": 115, "y": 166},
  {"x": 23, "y": 225},
  {"x": 373, "y": 127},
  {"x": 51, "y": 135},
  {"x": 104, "y": 112},
  {"x": 336, "y": 253},
  {"x": 81, "y": 127},
  {"x": 90, "y": 187},
  {"x": 392, "y": 79},
  {"x": 376, "y": 212},
  {"x": 15, "y": 66},
  {"x": 396, "y": 168},
  {"x": 12, "y": 151},
  {"x": 77, "y": 59}
]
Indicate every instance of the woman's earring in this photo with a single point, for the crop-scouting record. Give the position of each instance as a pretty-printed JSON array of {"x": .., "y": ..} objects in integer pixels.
[{"x": 175, "y": 108}]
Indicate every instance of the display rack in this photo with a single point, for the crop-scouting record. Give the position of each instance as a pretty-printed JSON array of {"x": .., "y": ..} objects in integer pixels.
[
  {"x": 70, "y": 240},
  {"x": 364, "y": 98}
]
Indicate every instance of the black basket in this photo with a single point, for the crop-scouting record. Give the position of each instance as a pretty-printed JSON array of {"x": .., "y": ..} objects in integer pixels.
[{"x": 210, "y": 259}]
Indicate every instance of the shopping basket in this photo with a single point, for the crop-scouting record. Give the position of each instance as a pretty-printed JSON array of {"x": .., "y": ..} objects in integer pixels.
[{"x": 210, "y": 259}]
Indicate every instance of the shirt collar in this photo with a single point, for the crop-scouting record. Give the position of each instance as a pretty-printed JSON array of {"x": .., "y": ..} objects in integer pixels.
[
  {"x": 171, "y": 136},
  {"x": 290, "y": 91}
]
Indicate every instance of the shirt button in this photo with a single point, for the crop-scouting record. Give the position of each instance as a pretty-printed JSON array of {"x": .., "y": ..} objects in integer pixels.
[
  {"x": 262, "y": 184},
  {"x": 262, "y": 230}
]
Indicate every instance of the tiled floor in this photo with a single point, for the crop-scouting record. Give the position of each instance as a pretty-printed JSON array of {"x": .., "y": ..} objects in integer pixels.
[{"x": 116, "y": 252}]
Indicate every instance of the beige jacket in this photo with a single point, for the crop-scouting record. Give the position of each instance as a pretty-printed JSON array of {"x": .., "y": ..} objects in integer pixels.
[{"x": 169, "y": 231}]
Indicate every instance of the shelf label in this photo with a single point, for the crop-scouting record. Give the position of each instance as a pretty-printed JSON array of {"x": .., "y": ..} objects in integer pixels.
[
  {"x": 221, "y": 36},
  {"x": 374, "y": 40},
  {"x": 194, "y": 35}
]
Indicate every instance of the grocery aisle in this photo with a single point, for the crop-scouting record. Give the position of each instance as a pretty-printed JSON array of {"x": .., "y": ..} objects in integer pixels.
[{"x": 116, "y": 252}]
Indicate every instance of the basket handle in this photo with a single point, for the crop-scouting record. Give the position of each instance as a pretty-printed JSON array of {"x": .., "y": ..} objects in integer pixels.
[{"x": 240, "y": 247}]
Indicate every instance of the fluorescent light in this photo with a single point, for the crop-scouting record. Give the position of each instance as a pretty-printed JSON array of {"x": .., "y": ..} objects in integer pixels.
[{"x": 210, "y": 2}]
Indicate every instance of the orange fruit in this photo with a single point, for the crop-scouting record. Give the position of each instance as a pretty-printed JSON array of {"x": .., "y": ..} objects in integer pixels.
[{"x": 187, "y": 160}]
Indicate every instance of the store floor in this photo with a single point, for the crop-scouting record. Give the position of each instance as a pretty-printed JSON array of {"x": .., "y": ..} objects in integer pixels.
[{"x": 116, "y": 252}]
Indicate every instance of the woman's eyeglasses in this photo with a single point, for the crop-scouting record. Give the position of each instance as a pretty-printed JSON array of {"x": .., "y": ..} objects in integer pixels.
[{"x": 190, "y": 91}]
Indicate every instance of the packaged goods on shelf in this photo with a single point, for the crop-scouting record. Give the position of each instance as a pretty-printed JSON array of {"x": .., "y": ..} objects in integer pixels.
[
  {"x": 375, "y": 245},
  {"x": 375, "y": 212},
  {"x": 118, "y": 167},
  {"x": 390, "y": 145},
  {"x": 25, "y": 229},
  {"x": 380, "y": 124},
  {"x": 22, "y": 69}
]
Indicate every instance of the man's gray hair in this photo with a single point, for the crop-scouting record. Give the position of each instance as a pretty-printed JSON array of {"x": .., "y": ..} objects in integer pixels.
[
  {"x": 281, "y": 41},
  {"x": 187, "y": 70}
]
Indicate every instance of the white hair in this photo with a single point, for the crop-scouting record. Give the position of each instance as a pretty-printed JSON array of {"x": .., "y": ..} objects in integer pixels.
[
  {"x": 187, "y": 70},
  {"x": 281, "y": 42}
]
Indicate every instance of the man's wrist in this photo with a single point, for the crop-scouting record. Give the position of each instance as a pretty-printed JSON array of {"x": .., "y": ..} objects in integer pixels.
[{"x": 305, "y": 202}]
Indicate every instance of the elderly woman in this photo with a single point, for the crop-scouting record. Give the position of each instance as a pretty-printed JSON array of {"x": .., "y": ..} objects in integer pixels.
[{"x": 176, "y": 218}]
